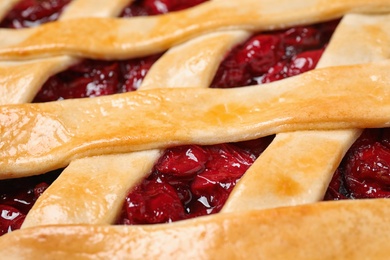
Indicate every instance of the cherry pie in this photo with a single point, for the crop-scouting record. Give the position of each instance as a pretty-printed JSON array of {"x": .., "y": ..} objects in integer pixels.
[{"x": 243, "y": 138}]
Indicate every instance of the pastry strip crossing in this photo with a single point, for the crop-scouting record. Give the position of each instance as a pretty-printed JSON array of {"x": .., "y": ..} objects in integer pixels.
[
  {"x": 112, "y": 176},
  {"x": 109, "y": 38},
  {"x": 297, "y": 167},
  {"x": 39, "y": 137},
  {"x": 20, "y": 81}
]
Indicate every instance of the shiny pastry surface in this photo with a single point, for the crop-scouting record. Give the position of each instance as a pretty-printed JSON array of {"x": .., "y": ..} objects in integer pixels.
[{"x": 313, "y": 115}]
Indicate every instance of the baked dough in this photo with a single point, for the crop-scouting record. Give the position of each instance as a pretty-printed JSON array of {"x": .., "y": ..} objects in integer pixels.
[
  {"x": 110, "y": 38},
  {"x": 326, "y": 230},
  {"x": 310, "y": 158},
  {"x": 39, "y": 137},
  {"x": 53, "y": 135}
]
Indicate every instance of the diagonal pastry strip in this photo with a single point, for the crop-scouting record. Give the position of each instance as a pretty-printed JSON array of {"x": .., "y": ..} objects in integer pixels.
[
  {"x": 109, "y": 38},
  {"x": 36, "y": 138}
]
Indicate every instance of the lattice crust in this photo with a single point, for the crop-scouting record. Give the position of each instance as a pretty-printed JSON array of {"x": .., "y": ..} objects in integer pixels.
[
  {"x": 311, "y": 174},
  {"x": 49, "y": 137},
  {"x": 190, "y": 59}
]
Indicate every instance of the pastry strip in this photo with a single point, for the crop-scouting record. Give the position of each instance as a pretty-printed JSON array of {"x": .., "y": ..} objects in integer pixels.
[
  {"x": 38, "y": 137},
  {"x": 297, "y": 167},
  {"x": 91, "y": 190},
  {"x": 20, "y": 81},
  {"x": 302, "y": 232},
  {"x": 108, "y": 38},
  {"x": 110, "y": 177},
  {"x": 192, "y": 64}
]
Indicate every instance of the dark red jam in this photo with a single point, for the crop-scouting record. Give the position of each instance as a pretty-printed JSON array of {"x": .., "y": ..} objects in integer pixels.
[
  {"x": 92, "y": 78},
  {"x": 268, "y": 57},
  {"x": 156, "y": 7},
  {"x": 365, "y": 169},
  {"x": 190, "y": 181},
  {"x": 17, "y": 196},
  {"x": 30, "y": 13}
]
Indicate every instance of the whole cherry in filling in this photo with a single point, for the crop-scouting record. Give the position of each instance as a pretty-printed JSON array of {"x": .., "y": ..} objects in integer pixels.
[
  {"x": 365, "y": 169},
  {"x": 190, "y": 181}
]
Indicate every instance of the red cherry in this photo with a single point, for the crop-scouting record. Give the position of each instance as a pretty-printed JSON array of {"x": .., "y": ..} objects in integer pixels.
[
  {"x": 277, "y": 72},
  {"x": 155, "y": 7},
  {"x": 30, "y": 13},
  {"x": 368, "y": 172},
  {"x": 335, "y": 189},
  {"x": 153, "y": 202},
  {"x": 39, "y": 189},
  {"x": 260, "y": 53},
  {"x": 303, "y": 62},
  {"x": 10, "y": 219},
  {"x": 183, "y": 160},
  {"x": 302, "y": 37},
  {"x": 364, "y": 172}
]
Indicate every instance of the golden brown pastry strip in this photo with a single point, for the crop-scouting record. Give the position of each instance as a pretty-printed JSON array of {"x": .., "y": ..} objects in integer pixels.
[
  {"x": 326, "y": 230},
  {"x": 110, "y": 177},
  {"x": 297, "y": 167},
  {"x": 136, "y": 37},
  {"x": 38, "y": 137},
  {"x": 91, "y": 190},
  {"x": 194, "y": 63},
  {"x": 20, "y": 81}
]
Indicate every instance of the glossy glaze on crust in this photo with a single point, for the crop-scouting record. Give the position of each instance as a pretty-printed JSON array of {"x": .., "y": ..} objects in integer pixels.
[
  {"x": 56, "y": 206},
  {"x": 363, "y": 211},
  {"x": 111, "y": 38},
  {"x": 290, "y": 179},
  {"x": 315, "y": 231},
  {"x": 39, "y": 137}
]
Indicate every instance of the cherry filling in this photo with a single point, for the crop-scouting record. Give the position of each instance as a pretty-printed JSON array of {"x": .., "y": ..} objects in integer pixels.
[
  {"x": 187, "y": 181},
  {"x": 17, "y": 196},
  {"x": 155, "y": 7},
  {"x": 92, "y": 78},
  {"x": 30, "y": 13},
  {"x": 273, "y": 56},
  {"x": 365, "y": 169},
  {"x": 192, "y": 181}
]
